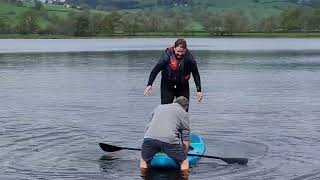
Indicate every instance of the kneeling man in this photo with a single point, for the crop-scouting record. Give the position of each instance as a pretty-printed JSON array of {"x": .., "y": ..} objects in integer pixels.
[{"x": 169, "y": 125}]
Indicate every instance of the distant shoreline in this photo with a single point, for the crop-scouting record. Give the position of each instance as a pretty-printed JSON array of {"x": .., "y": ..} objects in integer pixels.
[{"x": 167, "y": 35}]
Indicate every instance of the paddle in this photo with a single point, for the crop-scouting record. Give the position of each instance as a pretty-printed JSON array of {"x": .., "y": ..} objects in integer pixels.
[{"x": 112, "y": 148}]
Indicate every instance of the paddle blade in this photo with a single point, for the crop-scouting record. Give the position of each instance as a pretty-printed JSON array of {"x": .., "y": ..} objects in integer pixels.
[
  {"x": 109, "y": 148},
  {"x": 242, "y": 161}
]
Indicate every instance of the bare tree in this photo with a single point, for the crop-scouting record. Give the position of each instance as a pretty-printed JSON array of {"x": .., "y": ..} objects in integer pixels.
[
  {"x": 269, "y": 24},
  {"x": 294, "y": 19},
  {"x": 95, "y": 23},
  {"x": 130, "y": 23},
  {"x": 28, "y": 23},
  {"x": 234, "y": 22},
  {"x": 212, "y": 24},
  {"x": 179, "y": 21},
  {"x": 111, "y": 22},
  {"x": 4, "y": 25}
]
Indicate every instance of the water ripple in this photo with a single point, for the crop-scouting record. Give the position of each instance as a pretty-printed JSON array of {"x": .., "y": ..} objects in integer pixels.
[{"x": 58, "y": 107}]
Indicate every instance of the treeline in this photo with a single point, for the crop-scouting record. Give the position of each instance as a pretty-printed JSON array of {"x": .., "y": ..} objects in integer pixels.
[
  {"x": 127, "y": 4},
  {"x": 86, "y": 23},
  {"x": 290, "y": 20},
  {"x": 143, "y": 4}
]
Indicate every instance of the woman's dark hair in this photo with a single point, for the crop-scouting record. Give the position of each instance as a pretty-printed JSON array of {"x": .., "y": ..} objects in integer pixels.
[{"x": 181, "y": 43}]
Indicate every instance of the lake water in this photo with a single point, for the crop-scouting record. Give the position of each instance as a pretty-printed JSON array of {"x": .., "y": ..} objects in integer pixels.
[{"x": 60, "y": 98}]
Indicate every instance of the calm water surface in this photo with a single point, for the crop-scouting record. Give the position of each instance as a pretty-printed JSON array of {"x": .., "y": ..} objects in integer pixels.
[{"x": 261, "y": 102}]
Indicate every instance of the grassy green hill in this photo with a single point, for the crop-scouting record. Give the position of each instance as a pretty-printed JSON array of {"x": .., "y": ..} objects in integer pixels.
[
  {"x": 13, "y": 12},
  {"x": 250, "y": 7},
  {"x": 260, "y": 8},
  {"x": 253, "y": 8},
  {"x": 122, "y": 17}
]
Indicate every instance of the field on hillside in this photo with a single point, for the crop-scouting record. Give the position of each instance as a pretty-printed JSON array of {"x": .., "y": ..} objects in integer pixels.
[
  {"x": 258, "y": 8},
  {"x": 156, "y": 19},
  {"x": 262, "y": 8},
  {"x": 14, "y": 12},
  {"x": 253, "y": 8}
]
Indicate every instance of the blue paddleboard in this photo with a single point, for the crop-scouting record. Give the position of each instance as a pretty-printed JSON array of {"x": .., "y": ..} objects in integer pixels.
[{"x": 161, "y": 160}]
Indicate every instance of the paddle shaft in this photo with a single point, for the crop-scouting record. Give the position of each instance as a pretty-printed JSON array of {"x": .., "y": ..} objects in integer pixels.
[
  {"x": 134, "y": 149},
  {"x": 112, "y": 148},
  {"x": 242, "y": 161},
  {"x": 206, "y": 156}
]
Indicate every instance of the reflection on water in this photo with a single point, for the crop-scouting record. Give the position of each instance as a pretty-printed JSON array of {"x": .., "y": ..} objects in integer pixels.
[
  {"x": 108, "y": 162},
  {"x": 153, "y": 174},
  {"x": 111, "y": 163}
]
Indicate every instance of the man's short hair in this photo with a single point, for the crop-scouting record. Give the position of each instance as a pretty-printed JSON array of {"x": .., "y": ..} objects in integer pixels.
[
  {"x": 181, "y": 43},
  {"x": 183, "y": 101}
]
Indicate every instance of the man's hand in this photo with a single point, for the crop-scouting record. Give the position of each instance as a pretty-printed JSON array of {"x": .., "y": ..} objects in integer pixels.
[
  {"x": 147, "y": 91},
  {"x": 199, "y": 96},
  {"x": 185, "y": 146}
]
